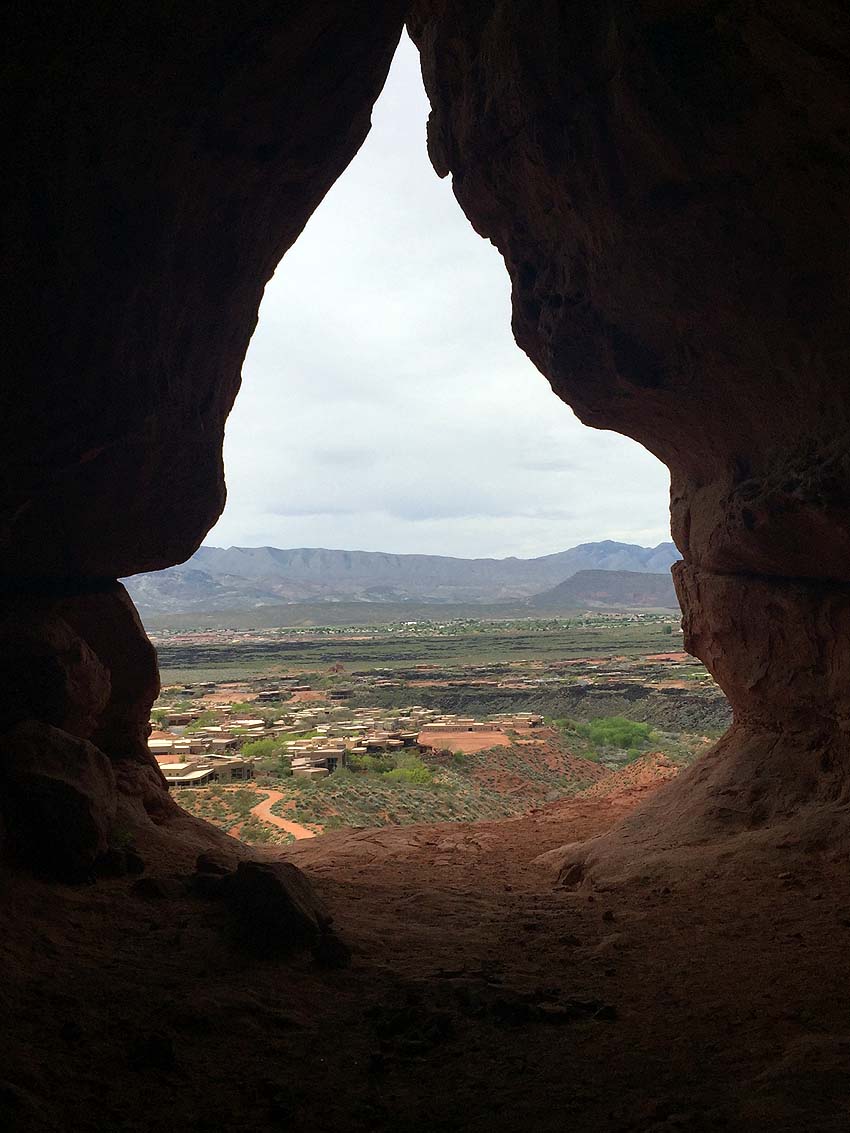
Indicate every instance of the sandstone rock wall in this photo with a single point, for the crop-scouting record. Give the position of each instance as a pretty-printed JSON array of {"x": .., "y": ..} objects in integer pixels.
[
  {"x": 164, "y": 157},
  {"x": 667, "y": 182}
]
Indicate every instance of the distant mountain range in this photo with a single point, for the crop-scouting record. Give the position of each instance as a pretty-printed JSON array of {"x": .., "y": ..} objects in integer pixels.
[
  {"x": 244, "y": 578},
  {"x": 607, "y": 589}
]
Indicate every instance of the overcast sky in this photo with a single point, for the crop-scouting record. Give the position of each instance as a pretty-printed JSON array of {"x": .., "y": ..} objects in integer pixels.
[{"x": 385, "y": 405}]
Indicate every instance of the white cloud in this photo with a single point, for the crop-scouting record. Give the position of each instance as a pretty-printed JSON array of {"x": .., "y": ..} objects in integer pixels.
[{"x": 385, "y": 405}]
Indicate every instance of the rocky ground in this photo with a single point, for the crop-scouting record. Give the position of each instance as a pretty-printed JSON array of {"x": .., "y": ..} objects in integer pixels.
[{"x": 479, "y": 996}]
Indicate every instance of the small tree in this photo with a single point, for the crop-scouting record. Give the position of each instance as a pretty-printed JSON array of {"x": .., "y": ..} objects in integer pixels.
[
  {"x": 262, "y": 749},
  {"x": 244, "y": 708},
  {"x": 410, "y": 769},
  {"x": 205, "y": 720}
]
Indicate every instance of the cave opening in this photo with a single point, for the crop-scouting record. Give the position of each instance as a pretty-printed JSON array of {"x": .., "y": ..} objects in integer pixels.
[
  {"x": 385, "y": 407},
  {"x": 667, "y": 184},
  {"x": 382, "y": 385}
]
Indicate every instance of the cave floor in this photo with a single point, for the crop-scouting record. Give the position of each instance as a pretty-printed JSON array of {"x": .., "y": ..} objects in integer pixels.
[{"x": 479, "y": 997}]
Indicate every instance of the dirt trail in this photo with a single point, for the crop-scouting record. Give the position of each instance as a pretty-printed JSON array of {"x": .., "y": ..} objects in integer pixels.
[{"x": 263, "y": 811}]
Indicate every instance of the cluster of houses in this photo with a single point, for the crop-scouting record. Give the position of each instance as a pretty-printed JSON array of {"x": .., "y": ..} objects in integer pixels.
[
  {"x": 362, "y": 733},
  {"x": 499, "y": 722},
  {"x": 191, "y": 755}
]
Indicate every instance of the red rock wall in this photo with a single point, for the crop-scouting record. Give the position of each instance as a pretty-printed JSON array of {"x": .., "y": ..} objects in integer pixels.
[
  {"x": 667, "y": 182},
  {"x": 164, "y": 158},
  {"x": 666, "y": 179}
]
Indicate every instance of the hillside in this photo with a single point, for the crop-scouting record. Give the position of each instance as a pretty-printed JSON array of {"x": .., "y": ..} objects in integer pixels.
[
  {"x": 619, "y": 589},
  {"x": 244, "y": 578},
  {"x": 505, "y": 781},
  {"x": 498, "y": 782}
]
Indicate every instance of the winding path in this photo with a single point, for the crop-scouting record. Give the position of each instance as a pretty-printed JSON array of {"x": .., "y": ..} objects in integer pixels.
[{"x": 263, "y": 811}]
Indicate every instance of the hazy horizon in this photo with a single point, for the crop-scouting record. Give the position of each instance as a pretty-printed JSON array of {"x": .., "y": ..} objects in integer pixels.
[
  {"x": 384, "y": 400},
  {"x": 436, "y": 554}
]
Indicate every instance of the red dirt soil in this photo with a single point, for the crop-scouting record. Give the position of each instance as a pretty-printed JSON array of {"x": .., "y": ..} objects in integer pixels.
[
  {"x": 263, "y": 811},
  {"x": 480, "y": 997},
  {"x": 462, "y": 740},
  {"x": 646, "y": 774}
]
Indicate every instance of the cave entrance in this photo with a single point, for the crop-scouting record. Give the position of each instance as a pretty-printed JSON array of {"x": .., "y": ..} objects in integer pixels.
[{"x": 386, "y": 407}]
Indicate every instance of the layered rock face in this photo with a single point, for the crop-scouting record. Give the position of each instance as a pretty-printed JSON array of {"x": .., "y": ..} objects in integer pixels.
[
  {"x": 165, "y": 158},
  {"x": 668, "y": 185}
]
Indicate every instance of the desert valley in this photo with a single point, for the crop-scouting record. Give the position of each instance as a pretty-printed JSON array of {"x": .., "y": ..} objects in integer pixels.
[{"x": 444, "y": 716}]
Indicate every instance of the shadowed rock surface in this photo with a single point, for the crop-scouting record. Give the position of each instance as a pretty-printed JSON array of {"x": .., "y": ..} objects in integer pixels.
[
  {"x": 166, "y": 159},
  {"x": 642, "y": 168},
  {"x": 58, "y": 799}
]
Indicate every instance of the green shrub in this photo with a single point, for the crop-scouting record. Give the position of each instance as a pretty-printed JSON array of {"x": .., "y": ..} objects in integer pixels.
[
  {"x": 342, "y": 775},
  {"x": 245, "y": 708},
  {"x": 243, "y": 800},
  {"x": 375, "y": 763},
  {"x": 263, "y": 749},
  {"x": 409, "y": 769},
  {"x": 618, "y": 732},
  {"x": 205, "y": 720}
]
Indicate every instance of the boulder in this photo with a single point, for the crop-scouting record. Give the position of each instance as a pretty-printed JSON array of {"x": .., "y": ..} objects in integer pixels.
[
  {"x": 108, "y": 622},
  {"x": 47, "y": 671},
  {"x": 58, "y": 798},
  {"x": 277, "y": 907}
]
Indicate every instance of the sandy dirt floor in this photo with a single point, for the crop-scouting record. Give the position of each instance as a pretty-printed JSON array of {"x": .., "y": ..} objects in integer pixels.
[{"x": 480, "y": 997}]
